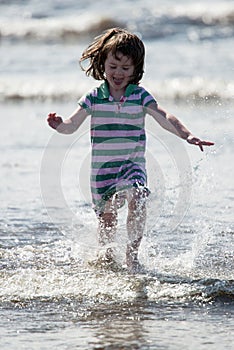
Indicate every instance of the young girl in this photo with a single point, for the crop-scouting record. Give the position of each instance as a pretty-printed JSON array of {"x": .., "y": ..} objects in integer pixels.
[{"x": 118, "y": 108}]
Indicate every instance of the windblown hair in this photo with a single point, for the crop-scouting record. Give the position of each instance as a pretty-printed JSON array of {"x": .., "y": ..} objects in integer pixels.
[{"x": 115, "y": 40}]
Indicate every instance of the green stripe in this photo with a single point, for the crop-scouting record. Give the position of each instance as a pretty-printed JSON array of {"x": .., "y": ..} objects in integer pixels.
[
  {"x": 144, "y": 95},
  {"x": 108, "y": 127},
  {"x": 112, "y": 114},
  {"x": 99, "y": 165},
  {"x": 116, "y": 152},
  {"x": 118, "y": 139},
  {"x": 103, "y": 177},
  {"x": 120, "y": 174}
]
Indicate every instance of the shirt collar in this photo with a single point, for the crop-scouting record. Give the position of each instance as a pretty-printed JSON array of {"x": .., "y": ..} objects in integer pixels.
[{"x": 103, "y": 91}]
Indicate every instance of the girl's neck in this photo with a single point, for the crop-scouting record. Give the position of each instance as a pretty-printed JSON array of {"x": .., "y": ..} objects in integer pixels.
[
  {"x": 117, "y": 94},
  {"x": 117, "y": 97}
]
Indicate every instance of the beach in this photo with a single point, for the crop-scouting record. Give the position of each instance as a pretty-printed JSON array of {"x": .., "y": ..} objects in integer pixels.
[{"x": 51, "y": 296}]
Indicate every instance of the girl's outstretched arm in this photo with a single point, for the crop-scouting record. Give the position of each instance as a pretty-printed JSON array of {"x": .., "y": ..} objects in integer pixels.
[
  {"x": 71, "y": 124},
  {"x": 172, "y": 124}
]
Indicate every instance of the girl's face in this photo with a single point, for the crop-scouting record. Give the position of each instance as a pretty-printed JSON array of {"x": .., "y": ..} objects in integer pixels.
[{"x": 118, "y": 72}]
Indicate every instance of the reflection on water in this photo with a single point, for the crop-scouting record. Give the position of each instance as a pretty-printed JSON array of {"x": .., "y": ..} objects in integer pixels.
[{"x": 137, "y": 325}]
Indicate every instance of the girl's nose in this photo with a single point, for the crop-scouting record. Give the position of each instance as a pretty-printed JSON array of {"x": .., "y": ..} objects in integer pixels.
[{"x": 119, "y": 71}]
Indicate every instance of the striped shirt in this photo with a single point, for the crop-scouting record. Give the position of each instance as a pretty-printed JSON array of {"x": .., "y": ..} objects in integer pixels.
[{"x": 118, "y": 140}]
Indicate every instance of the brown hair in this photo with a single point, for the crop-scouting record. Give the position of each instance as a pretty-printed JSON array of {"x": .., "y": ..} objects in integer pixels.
[{"x": 114, "y": 40}]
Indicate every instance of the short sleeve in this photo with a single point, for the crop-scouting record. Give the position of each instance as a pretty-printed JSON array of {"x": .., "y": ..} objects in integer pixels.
[
  {"x": 86, "y": 102},
  {"x": 147, "y": 98}
]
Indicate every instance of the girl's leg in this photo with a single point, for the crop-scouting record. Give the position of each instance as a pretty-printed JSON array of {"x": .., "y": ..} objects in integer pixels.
[
  {"x": 135, "y": 226},
  {"x": 107, "y": 226}
]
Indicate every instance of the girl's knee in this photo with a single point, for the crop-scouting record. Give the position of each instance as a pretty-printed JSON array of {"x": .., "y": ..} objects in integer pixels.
[
  {"x": 108, "y": 219},
  {"x": 137, "y": 199},
  {"x": 136, "y": 203}
]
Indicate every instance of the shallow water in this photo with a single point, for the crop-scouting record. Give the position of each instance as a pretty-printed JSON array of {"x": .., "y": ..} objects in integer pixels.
[{"x": 51, "y": 295}]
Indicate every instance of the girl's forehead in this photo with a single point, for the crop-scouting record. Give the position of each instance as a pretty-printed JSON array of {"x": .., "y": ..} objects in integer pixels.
[{"x": 120, "y": 58}]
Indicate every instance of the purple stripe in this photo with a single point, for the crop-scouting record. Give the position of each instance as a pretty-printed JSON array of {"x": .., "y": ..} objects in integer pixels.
[
  {"x": 104, "y": 183},
  {"x": 117, "y": 107},
  {"x": 104, "y": 171},
  {"x": 112, "y": 120},
  {"x": 148, "y": 99},
  {"x": 117, "y": 146},
  {"x": 131, "y": 109},
  {"x": 106, "y": 107},
  {"x": 111, "y": 158}
]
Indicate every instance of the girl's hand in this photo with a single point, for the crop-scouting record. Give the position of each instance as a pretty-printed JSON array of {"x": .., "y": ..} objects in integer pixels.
[
  {"x": 196, "y": 141},
  {"x": 53, "y": 120}
]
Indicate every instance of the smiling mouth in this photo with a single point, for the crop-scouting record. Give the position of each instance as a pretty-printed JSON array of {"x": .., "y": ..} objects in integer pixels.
[{"x": 118, "y": 81}]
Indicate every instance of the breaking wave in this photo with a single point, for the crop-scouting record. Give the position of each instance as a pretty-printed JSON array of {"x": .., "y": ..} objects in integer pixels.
[
  {"x": 197, "y": 22},
  {"x": 34, "y": 273},
  {"x": 195, "y": 89}
]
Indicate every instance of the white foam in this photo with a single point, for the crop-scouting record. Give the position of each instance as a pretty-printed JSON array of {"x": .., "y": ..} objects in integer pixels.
[
  {"x": 36, "y": 88},
  {"x": 67, "y": 27}
]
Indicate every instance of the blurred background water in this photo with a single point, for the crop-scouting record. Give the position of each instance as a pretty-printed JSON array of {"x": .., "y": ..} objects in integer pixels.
[{"x": 50, "y": 297}]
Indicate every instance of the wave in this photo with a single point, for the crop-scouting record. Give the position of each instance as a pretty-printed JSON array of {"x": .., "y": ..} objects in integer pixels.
[
  {"x": 55, "y": 283},
  {"x": 48, "y": 30},
  {"x": 195, "y": 21},
  {"x": 196, "y": 89},
  {"x": 48, "y": 273}
]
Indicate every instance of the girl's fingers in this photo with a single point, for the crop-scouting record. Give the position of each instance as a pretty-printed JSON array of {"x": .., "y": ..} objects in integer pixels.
[
  {"x": 204, "y": 143},
  {"x": 198, "y": 142},
  {"x": 51, "y": 115},
  {"x": 200, "y": 146},
  {"x": 207, "y": 143}
]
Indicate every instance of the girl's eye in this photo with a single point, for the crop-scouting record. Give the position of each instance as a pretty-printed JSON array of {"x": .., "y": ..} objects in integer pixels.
[{"x": 112, "y": 67}]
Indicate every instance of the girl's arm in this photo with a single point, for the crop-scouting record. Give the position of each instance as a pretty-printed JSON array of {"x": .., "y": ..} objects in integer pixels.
[
  {"x": 172, "y": 124},
  {"x": 71, "y": 124}
]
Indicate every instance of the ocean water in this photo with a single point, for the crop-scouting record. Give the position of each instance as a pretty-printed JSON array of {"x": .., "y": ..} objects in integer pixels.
[{"x": 51, "y": 295}]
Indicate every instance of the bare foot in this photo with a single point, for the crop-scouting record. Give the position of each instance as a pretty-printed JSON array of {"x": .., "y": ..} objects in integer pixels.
[{"x": 107, "y": 261}]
